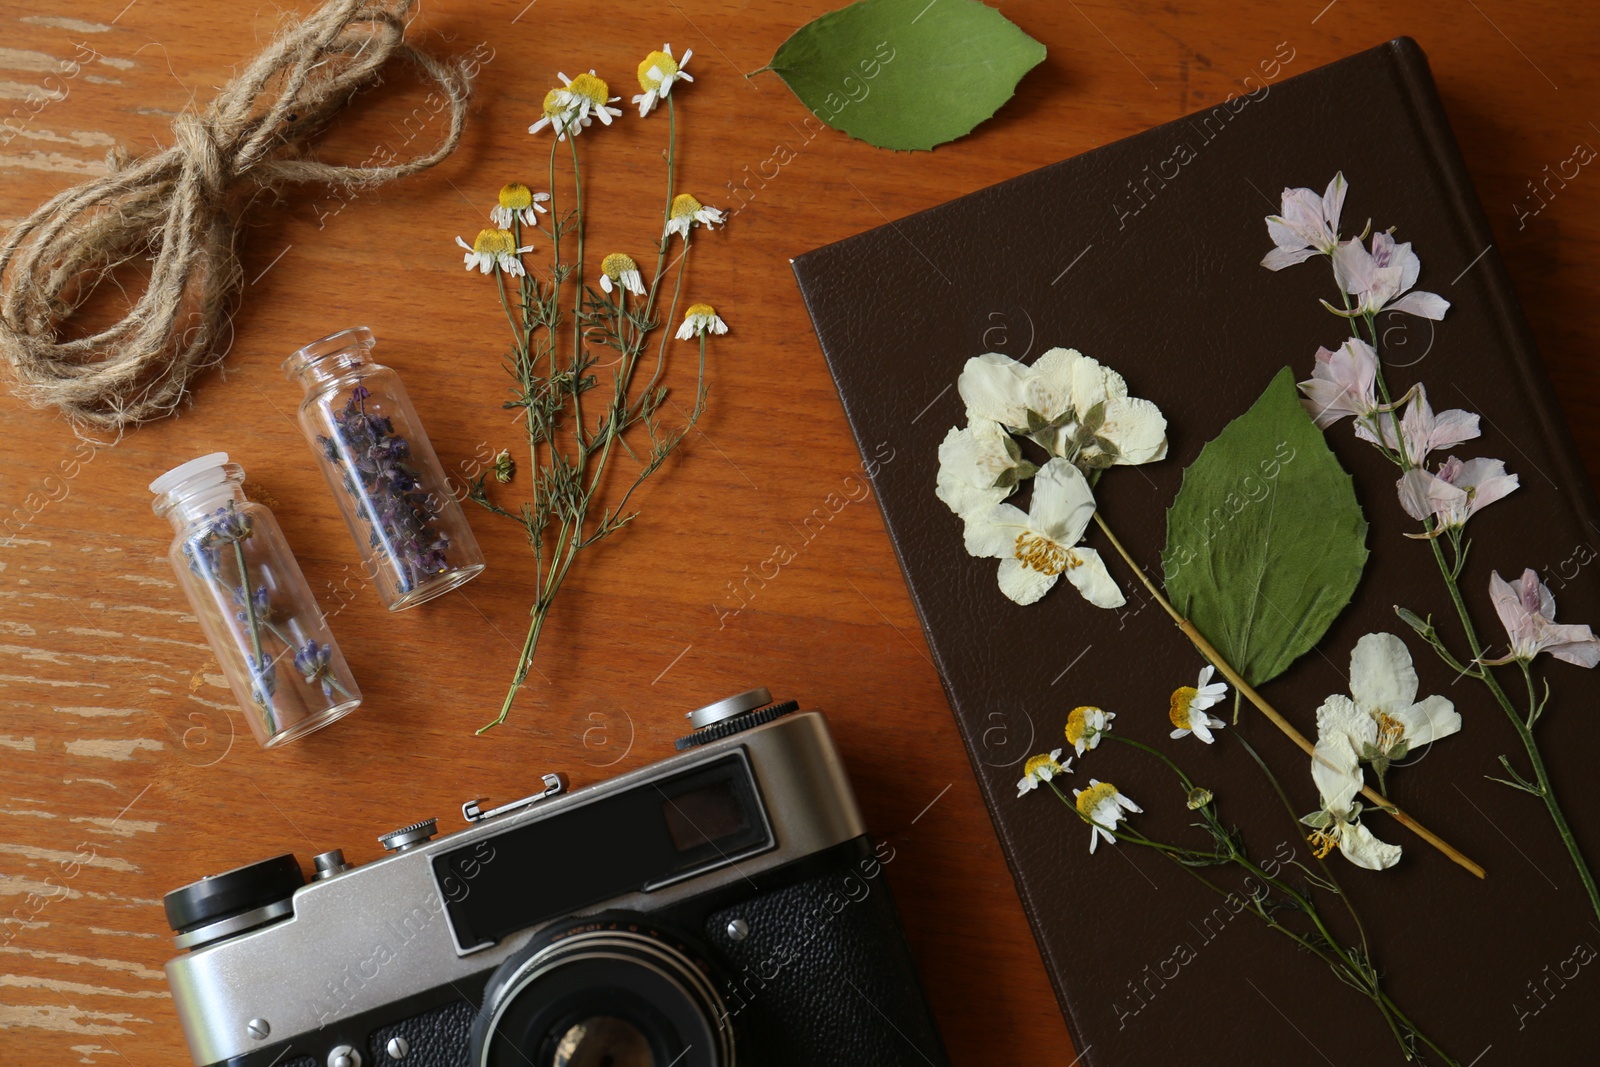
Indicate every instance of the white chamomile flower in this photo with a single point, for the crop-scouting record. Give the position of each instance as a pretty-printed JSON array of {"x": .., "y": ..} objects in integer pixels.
[
  {"x": 1041, "y": 768},
  {"x": 1085, "y": 725},
  {"x": 1067, "y": 403},
  {"x": 657, "y": 72},
  {"x": 619, "y": 270},
  {"x": 1337, "y": 772},
  {"x": 700, "y": 320},
  {"x": 1189, "y": 704},
  {"x": 686, "y": 211},
  {"x": 517, "y": 202},
  {"x": 495, "y": 249},
  {"x": 576, "y": 104},
  {"x": 1036, "y": 547},
  {"x": 979, "y": 466},
  {"x": 1103, "y": 807}
]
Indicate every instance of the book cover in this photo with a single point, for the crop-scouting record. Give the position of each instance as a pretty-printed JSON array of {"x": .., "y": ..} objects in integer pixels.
[{"x": 1146, "y": 255}]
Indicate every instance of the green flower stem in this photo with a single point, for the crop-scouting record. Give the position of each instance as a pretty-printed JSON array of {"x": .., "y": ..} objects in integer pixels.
[
  {"x": 1217, "y": 660},
  {"x": 1522, "y": 725},
  {"x": 1354, "y": 969}
]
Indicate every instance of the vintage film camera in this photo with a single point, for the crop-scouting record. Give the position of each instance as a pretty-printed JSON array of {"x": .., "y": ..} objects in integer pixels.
[{"x": 721, "y": 907}]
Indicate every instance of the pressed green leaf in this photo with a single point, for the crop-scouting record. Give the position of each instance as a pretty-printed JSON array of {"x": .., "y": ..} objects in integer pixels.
[
  {"x": 906, "y": 74},
  {"x": 1265, "y": 541}
]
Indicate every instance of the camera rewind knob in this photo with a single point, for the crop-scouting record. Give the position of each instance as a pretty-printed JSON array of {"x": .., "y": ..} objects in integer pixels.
[{"x": 408, "y": 837}]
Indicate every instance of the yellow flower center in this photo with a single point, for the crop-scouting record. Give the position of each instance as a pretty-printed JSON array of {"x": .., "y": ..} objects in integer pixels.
[
  {"x": 1390, "y": 731},
  {"x": 1042, "y": 554},
  {"x": 616, "y": 265},
  {"x": 515, "y": 196},
  {"x": 1178, "y": 712},
  {"x": 552, "y": 104},
  {"x": 594, "y": 88},
  {"x": 494, "y": 243},
  {"x": 1322, "y": 842},
  {"x": 1093, "y": 797},
  {"x": 684, "y": 206},
  {"x": 664, "y": 67},
  {"x": 1038, "y": 763},
  {"x": 1078, "y": 724},
  {"x": 701, "y": 311}
]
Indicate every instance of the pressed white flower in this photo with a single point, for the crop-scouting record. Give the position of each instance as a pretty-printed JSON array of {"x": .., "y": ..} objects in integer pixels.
[
  {"x": 1038, "y": 546},
  {"x": 579, "y": 101},
  {"x": 1381, "y": 279},
  {"x": 1189, "y": 704},
  {"x": 1382, "y": 718},
  {"x": 619, "y": 270},
  {"x": 1456, "y": 492},
  {"x": 1308, "y": 225},
  {"x": 1068, "y": 403},
  {"x": 495, "y": 249},
  {"x": 1104, "y": 807},
  {"x": 686, "y": 211},
  {"x": 1343, "y": 382},
  {"x": 1337, "y": 773},
  {"x": 1085, "y": 725},
  {"x": 1041, "y": 769},
  {"x": 1421, "y": 430},
  {"x": 657, "y": 72},
  {"x": 700, "y": 320},
  {"x": 979, "y": 466},
  {"x": 1528, "y": 612},
  {"x": 517, "y": 201}
]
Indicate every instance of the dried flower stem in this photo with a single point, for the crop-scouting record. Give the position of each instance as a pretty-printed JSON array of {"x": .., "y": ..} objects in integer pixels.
[
  {"x": 1351, "y": 965},
  {"x": 567, "y": 479},
  {"x": 1216, "y": 658}
]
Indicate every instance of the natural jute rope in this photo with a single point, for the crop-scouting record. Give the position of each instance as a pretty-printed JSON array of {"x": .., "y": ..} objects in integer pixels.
[{"x": 179, "y": 207}]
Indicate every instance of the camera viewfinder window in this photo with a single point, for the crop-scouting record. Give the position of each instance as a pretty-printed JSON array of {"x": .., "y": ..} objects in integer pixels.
[{"x": 704, "y": 816}]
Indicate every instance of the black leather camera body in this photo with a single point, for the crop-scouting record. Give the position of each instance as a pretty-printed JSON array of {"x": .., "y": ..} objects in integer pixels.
[{"x": 722, "y": 907}]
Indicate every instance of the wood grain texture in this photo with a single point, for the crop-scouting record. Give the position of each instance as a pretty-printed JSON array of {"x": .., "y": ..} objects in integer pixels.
[{"x": 126, "y": 769}]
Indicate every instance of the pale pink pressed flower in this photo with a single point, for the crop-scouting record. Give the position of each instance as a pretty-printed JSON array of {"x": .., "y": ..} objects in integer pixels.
[
  {"x": 1381, "y": 279},
  {"x": 1421, "y": 430},
  {"x": 1342, "y": 383},
  {"x": 1528, "y": 611},
  {"x": 1456, "y": 492},
  {"x": 1308, "y": 226}
]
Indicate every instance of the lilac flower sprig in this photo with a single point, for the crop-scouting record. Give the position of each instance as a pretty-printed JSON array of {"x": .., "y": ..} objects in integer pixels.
[
  {"x": 388, "y": 491},
  {"x": 1350, "y": 382}
]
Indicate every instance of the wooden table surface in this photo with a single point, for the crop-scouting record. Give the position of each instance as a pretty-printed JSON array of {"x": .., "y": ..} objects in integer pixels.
[{"x": 118, "y": 736}]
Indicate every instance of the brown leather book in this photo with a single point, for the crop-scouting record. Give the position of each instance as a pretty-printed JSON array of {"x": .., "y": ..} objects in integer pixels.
[{"x": 1145, "y": 254}]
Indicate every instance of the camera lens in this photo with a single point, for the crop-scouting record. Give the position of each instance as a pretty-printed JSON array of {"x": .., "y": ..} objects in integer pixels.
[{"x": 612, "y": 991}]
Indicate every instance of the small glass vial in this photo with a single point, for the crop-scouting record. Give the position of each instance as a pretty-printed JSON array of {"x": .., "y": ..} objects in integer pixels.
[
  {"x": 253, "y": 602},
  {"x": 415, "y": 542}
]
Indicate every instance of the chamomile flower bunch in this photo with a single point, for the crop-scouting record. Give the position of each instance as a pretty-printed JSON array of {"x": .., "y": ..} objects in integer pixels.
[
  {"x": 565, "y": 315},
  {"x": 1285, "y": 893}
]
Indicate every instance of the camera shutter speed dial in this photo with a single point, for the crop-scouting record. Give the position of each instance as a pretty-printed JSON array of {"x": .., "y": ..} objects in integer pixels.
[
  {"x": 731, "y": 715},
  {"x": 408, "y": 837}
]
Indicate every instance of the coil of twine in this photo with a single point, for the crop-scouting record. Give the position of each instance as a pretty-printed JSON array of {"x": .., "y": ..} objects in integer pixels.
[{"x": 180, "y": 208}]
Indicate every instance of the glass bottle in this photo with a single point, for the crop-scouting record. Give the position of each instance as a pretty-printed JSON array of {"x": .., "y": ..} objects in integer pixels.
[
  {"x": 414, "y": 540},
  {"x": 253, "y": 602}
]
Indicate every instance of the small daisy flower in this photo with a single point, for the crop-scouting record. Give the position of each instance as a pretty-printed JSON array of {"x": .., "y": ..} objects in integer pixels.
[
  {"x": 686, "y": 211},
  {"x": 1102, "y": 806},
  {"x": 1189, "y": 704},
  {"x": 657, "y": 73},
  {"x": 576, "y": 104},
  {"x": 618, "y": 269},
  {"x": 517, "y": 201},
  {"x": 700, "y": 320},
  {"x": 1041, "y": 768},
  {"x": 1085, "y": 725},
  {"x": 495, "y": 248}
]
